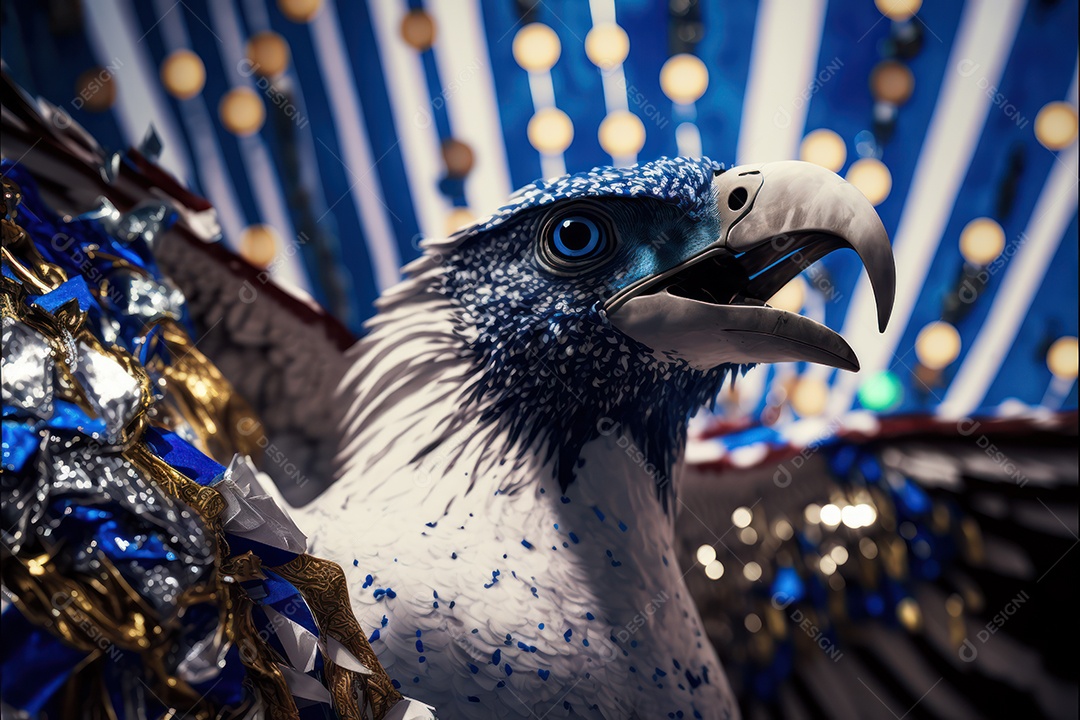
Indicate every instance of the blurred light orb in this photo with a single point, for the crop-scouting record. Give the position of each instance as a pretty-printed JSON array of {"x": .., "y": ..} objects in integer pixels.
[
  {"x": 714, "y": 570},
  {"x": 872, "y": 178},
  {"x": 812, "y": 514},
  {"x": 183, "y": 74},
  {"x": 892, "y": 82},
  {"x": 457, "y": 219},
  {"x": 1062, "y": 358},
  {"x": 937, "y": 345},
  {"x": 683, "y": 78},
  {"x": 809, "y": 397},
  {"x": 825, "y": 148},
  {"x": 752, "y": 571},
  {"x": 550, "y": 131},
  {"x": 791, "y": 297},
  {"x": 783, "y": 529},
  {"x": 622, "y": 134},
  {"x": 839, "y": 554},
  {"x": 418, "y": 30},
  {"x": 881, "y": 392},
  {"x": 868, "y": 548},
  {"x": 536, "y": 47},
  {"x": 96, "y": 88},
  {"x": 909, "y": 614},
  {"x": 981, "y": 241},
  {"x": 268, "y": 53},
  {"x": 741, "y": 517},
  {"x": 954, "y": 605},
  {"x": 242, "y": 111},
  {"x": 259, "y": 245},
  {"x": 706, "y": 554},
  {"x": 300, "y": 11},
  {"x": 851, "y": 516},
  {"x": 862, "y": 515},
  {"x": 831, "y": 515},
  {"x": 827, "y": 565},
  {"x": 607, "y": 45},
  {"x": 458, "y": 158},
  {"x": 1055, "y": 125},
  {"x": 898, "y": 10},
  {"x": 752, "y": 623},
  {"x": 748, "y": 535}
]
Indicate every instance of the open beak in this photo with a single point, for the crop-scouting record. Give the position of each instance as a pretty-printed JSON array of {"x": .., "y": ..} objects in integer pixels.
[{"x": 776, "y": 219}]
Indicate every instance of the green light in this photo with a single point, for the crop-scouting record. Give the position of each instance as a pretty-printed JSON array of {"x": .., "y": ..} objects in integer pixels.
[{"x": 881, "y": 392}]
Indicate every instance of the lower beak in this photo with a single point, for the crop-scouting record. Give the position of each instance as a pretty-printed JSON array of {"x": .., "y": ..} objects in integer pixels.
[{"x": 776, "y": 219}]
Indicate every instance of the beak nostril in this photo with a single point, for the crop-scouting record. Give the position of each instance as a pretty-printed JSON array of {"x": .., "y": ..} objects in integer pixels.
[{"x": 737, "y": 198}]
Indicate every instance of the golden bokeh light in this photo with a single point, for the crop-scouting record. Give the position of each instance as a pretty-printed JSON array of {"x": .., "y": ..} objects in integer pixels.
[
  {"x": 892, "y": 82},
  {"x": 825, "y": 148},
  {"x": 898, "y": 10},
  {"x": 259, "y": 245},
  {"x": 982, "y": 241},
  {"x": 809, "y": 397},
  {"x": 791, "y": 297},
  {"x": 684, "y": 78},
  {"x": 1055, "y": 125},
  {"x": 457, "y": 219},
  {"x": 937, "y": 345},
  {"x": 242, "y": 111},
  {"x": 268, "y": 53},
  {"x": 96, "y": 89},
  {"x": 607, "y": 45},
  {"x": 1062, "y": 358},
  {"x": 183, "y": 74},
  {"x": 550, "y": 131},
  {"x": 300, "y": 11},
  {"x": 418, "y": 30},
  {"x": 536, "y": 47},
  {"x": 872, "y": 178},
  {"x": 622, "y": 134}
]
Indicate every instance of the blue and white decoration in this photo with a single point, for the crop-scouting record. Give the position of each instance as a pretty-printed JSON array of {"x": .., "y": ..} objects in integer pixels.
[{"x": 333, "y": 136}]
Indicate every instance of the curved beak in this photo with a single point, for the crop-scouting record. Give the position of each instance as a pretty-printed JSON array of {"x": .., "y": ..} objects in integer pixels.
[{"x": 776, "y": 219}]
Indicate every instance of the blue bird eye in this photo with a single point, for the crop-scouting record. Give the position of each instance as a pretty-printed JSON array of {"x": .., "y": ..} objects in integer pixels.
[{"x": 575, "y": 239}]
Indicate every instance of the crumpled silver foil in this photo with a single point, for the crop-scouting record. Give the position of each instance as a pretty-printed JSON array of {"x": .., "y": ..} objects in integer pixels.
[{"x": 27, "y": 369}]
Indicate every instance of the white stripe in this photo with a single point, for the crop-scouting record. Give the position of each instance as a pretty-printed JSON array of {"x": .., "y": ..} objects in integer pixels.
[
  {"x": 602, "y": 11},
  {"x": 751, "y": 387},
  {"x": 552, "y": 166},
  {"x": 787, "y": 38},
  {"x": 688, "y": 139},
  {"x": 542, "y": 89},
  {"x": 139, "y": 100},
  {"x": 784, "y": 55},
  {"x": 355, "y": 146},
  {"x": 983, "y": 41},
  {"x": 413, "y": 120},
  {"x": 258, "y": 19},
  {"x": 213, "y": 175},
  {"x": 469, "y": 89},
  {"x": 613, "y": 79},
  {"x": 543, "y": 96},
  {"x": 288, "y": 271},
  {"x": 1049, "y": 221}
]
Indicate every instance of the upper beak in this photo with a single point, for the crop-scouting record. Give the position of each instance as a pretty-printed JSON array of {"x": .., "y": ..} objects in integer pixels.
[{"x": 776, "y": 219}]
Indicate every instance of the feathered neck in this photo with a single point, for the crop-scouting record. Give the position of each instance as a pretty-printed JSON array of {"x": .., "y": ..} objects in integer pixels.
[{"x": 543, "y": 382}]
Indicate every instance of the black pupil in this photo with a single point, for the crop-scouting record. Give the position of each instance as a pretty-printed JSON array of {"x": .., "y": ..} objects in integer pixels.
[
  {"x": 575, "y": 235},
  {"x": 737, "y": 198}
]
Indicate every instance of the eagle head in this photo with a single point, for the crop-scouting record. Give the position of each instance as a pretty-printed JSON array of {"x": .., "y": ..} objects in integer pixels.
[{"x": 628, "y": 295}]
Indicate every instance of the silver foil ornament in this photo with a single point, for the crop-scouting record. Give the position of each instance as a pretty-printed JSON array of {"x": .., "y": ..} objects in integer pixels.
[{"x": 27, "y": 369}]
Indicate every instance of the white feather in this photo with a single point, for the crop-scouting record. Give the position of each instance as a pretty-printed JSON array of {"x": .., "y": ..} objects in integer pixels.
[{"x": 493, "y": 590}]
